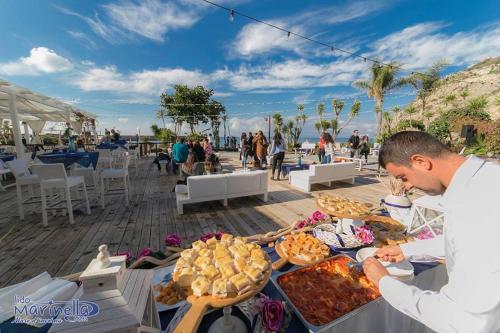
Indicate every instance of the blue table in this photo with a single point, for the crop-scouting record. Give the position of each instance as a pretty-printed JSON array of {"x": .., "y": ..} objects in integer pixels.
[
  {"x": 112, "y": 145},
  {"x": 84, "y": 159},
  {"x": 286, "y": 168},
  {"x": 7, "y": 157}
]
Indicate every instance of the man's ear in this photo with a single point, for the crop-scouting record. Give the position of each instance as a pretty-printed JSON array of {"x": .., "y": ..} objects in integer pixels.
[{"x": 421, "y": 162}]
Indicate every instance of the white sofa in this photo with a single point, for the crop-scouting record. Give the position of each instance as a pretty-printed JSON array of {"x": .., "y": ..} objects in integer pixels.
[
  {"x": 221, "y": 187},
  {"x": 322, "y": 173}
]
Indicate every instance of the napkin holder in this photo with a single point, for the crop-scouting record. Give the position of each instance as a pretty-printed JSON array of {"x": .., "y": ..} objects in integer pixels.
[{"x": 104, "y": 272}]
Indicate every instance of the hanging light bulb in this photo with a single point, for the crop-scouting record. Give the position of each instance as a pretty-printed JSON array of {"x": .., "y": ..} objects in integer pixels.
[
  {"x": 289, "y": 34},
  {"x": 364, "y": 59},
  {"x": 231, "y": 15}
]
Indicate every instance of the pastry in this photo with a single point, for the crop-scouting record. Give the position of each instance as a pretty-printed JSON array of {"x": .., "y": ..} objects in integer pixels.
[
  {"x": 259, "y": 263},
  {"x": 221, "y": 252},
  {"x": 200, "y": 286},
  {"x": 205, "y": 253},
  {"x": 253, "y": 273},
  {"x": 198, "y": 245},
  {"x": 257, "y": 254},
  {"x": 210, "y": 272},
  {"x": 188, "y": 255},
  {"x": 227, "y": 271},
  {"x": 202, "y": 262},
  {"x": 186, "y": 277},
  {"x": 227, "y": 260},
  {"x": 226, "y": 239},
  {"x": 341, "y": 206},
  {"x": 219, "y": 288},
  {"x": 303, "y": 246},
  {"x": 240, "y": 264},
  {"x": 211, "y": 242},
  {"x": 240, "y": 282}
]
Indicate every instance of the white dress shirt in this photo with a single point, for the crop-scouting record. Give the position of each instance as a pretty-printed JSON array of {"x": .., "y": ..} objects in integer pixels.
[{"x": 470, "y": 302}]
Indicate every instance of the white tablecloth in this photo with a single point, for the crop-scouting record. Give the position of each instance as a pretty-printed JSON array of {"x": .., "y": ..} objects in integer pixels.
[{"x": 380, "y": 317}]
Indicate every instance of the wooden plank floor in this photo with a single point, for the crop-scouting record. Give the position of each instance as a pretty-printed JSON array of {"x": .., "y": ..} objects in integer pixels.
[{"x": 27, "y": 248}]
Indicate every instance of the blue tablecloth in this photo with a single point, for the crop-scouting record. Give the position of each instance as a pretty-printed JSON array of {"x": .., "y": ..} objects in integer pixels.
[
  {"x": 112, "y": 145},
  {"x": 286, "y": 168},
  {"x": 82, "y": 158},
  {"x": 7, "y": 157}
]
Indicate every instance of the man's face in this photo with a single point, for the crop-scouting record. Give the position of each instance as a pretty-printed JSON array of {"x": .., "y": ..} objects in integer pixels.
[
  {"x": 356, "y": 133},
  {"x": 419, "y": 174}
]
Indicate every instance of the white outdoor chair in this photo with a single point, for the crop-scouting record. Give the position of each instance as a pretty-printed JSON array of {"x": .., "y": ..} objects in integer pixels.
[
  {"x": 19, "y": 168},
  {"x": 134, "y": 157},
  {"x": 105, "y": 159},
  {"x": 53, "y": 176},
  {"x": 90, "y": 176},
  {"x": 118, "y": 170}
]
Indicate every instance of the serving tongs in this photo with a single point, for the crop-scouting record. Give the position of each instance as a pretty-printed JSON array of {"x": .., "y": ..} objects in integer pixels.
[{"x": 358, "y": 266}]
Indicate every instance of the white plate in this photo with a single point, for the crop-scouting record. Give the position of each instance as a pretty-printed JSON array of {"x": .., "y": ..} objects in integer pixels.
[
  {"x": 396, "y": 269},
  {"x": 163, "y": 275}
]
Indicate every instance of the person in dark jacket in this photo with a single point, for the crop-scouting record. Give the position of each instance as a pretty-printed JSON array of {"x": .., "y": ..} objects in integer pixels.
[
  {"x": 364, "y": 147},
  {"x": 353, "y": 143},
  {"x": 199, "y": 152}
]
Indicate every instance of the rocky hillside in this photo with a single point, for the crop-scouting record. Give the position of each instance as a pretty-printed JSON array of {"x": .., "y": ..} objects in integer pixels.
[{"x": 481, "y": 79}]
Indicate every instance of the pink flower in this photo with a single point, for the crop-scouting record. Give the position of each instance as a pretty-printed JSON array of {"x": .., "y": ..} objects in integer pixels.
[
  {"x": 173, "y": 240},
  {"x": 128, "y": 254},
  {"x": 209, "y": 235},
  {"x": 301, "y": 225},
  {"x": 145, "y": 253},
  {"x": 318, "y": 216},
  {"x": 272, "y": 315},
  {"x": 427, "y": 234},
  {"x": 364, "y": 234}
]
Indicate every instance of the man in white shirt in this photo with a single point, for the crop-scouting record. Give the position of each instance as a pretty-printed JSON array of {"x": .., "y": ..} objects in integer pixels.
[{"x": 470, "y": 301}]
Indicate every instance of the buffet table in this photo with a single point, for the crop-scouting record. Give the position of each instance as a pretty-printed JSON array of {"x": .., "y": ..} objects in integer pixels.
[
  {"x": 84, "y": 159},
  {"x": 379, "y": 316}
]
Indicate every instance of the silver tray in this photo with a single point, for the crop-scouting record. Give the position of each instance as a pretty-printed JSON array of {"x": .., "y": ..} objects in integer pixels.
[{"x": 309, "y": 326}]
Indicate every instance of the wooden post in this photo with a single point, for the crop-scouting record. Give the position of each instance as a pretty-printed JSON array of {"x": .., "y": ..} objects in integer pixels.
[{"x": 15, "y": 124}]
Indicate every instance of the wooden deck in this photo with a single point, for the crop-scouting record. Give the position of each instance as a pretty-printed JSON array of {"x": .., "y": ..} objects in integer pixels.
[{"x": 27, "y": 248}]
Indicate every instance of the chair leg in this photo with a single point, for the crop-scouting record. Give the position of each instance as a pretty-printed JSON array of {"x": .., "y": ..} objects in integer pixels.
[
  {"x": 30, "y": 191},
  {"x": 86, "y": 198},
  {"x": 44, "y": 206},
  {"x": 102, "y": 192},
  {"x": 20, "y": 201},
  {"x": 69, "y": 205},
  {"x": 125, "y": 185}
]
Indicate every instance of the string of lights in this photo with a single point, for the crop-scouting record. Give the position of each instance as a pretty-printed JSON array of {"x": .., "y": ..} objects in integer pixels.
[{"x": 233, "y": 12}]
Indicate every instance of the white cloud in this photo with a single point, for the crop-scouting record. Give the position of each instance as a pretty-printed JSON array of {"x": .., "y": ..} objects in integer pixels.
[
  {"x": 152, "y": 82},
  {"x": 41, "y": 60},
  {"x": 239, "y": 124},
  {"x": 123, "y": 120},
  {"x": 150, "y": 18},
  {"x": 223, "y": 94},
  {"x": 256, "y": 38},
  {"x": 420, "y": 45},
  {"x": 296, "y": 74},
  {"x": 83, "y": 37}
]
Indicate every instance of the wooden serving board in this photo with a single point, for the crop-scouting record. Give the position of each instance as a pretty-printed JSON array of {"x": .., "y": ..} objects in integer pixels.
[
  {"x": 340, "y": 215},
  {"x": 284, "y": 259},
  {"x": 199, "y": 305},
  {"x": 389, "y": 222}
]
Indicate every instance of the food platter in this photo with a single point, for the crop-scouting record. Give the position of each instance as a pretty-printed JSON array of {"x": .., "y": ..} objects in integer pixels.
[
  {"x": 299, "y": 271},
  {"x": 343, "y": 208},
  {"x": 199, "y": 305},
  {"x": 285, "y": 257},
  {"x": 337, "y": 242},
  {"x": 163, "y": 276}
]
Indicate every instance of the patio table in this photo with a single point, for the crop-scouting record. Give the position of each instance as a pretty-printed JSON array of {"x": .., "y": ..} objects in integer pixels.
[
  {"x": 113, "y": 145},
  {"x": 84, "y": 159},
  {"x": 7, "y": 157},
  {"x": 286, "y": 168}
]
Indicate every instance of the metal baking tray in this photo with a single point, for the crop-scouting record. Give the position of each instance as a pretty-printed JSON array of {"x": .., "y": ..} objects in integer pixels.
[{"x": 309, "y": 326}]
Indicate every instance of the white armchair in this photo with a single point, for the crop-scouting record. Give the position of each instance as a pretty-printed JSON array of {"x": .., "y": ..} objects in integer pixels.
[{"x": 322, "y": 173}]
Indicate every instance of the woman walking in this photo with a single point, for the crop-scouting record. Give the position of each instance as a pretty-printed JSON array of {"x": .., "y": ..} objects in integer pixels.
[
  {"x": 278, "y": 153},
  {"x": 364, "y": 147},
  {"x": 207, "y": 147},
  {"x": 260, "y": 145},
  {"x": 245, "y": 149},
  {"x": 329, "y": 151},
  {"x": 321, "y": 148}
]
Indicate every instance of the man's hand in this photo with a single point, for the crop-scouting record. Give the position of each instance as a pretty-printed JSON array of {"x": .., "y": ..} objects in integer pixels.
[
  {"x": 391, "y": 253},
  {"x": 374, "y": 270}
]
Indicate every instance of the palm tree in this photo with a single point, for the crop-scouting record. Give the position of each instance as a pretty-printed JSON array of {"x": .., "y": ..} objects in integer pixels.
[
  {"x": 288, "y": 131},
  {"x": 320, "y": 110},
  {"x": 161, "y": 114},
  {"x": 318, "y": 127},
  {"x": 428, "y": 115},
  {"x": 410, "y": 110},
  {"x": 278, "y": 122},
  {"x": 382, "y": 80},
  {"x": 425, "y": 83}
]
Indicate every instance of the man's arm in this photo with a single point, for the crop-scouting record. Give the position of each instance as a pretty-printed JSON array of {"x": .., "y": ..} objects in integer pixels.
[
  {"x": 432, "y": 247},
  {"x": 433, "y": 309}
]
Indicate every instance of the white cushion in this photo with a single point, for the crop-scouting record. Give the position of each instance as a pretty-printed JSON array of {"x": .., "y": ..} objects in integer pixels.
[
  {"x": 243, "y": 183},
  {"x": 206, "y": 186},
  {"x": 114, "y": 173}
]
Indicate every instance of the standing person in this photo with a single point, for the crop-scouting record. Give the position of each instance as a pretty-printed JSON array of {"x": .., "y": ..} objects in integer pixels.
[
  {"x": 260, "y": 145},
  {"x": 245, "y": 148},
  {"x": 210, "y": 139},
  {"x": 212, "y": 165},
  {"x": 227, "y": 141},
  {"x": 321, "y": 148},
  {"x": 329, "y": 150},
  {"x": 199, "y": 151},
  {"x": 470, "y": 187},
  {"x": 353, "y": 143},
  {"x": 180, "y": 152},
  {"x": 278, "y": 153},
  {"x": 364, "y": 147},
  {"x": 207, "y": 147}
]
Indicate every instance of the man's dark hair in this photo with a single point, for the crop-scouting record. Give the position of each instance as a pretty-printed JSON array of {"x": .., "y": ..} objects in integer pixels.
[{"x": 400, "y": 147}]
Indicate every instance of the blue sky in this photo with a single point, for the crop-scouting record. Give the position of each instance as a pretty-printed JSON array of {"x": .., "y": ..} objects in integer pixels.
[{"x": 114, "y": 58}]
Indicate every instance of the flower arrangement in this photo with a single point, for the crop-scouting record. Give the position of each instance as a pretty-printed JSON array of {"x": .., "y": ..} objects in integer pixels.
[
  {"x": 130, "y": 257},
  {"x": 316, "y": 218},
  {"x": 275, "y": 315},
  {"x": 173, "y": 240},
  {"x": 364, "y": 234},
  {"x": 209, "y": 235}
]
